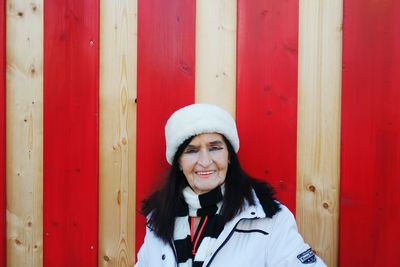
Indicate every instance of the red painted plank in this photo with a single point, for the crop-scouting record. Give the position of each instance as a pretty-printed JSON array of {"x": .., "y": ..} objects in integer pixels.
[
  {"x": 71, "y": 62},
  {"x": 166, "y": 48},
  {"x": 2, "y": 135},
  {"x": 267, "y": 92},
  {"x": 370, "y": 184}
]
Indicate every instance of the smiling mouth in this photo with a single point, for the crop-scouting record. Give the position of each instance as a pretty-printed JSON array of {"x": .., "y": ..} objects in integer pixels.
[{"x": 204, "y": 173}]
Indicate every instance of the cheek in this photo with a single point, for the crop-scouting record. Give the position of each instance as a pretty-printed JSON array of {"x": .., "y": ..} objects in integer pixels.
[
  {"x": 222, "y": 162},
  {"x": 187, "y": 168},
  {"x": 187, "y": 165}
]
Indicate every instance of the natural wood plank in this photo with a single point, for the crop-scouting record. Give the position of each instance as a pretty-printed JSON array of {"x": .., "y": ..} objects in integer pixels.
[
  {"x": 216, "y": 53},
  {"x": 24, "y": 132},
  {"x": 118, "y": 57},
  {"x": 2, "y": 134},
  {"x": 320, "y": 65}
]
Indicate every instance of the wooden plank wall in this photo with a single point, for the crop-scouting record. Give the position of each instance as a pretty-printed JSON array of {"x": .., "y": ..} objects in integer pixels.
[
  {"x": 24, "y": 130},
  {"x": 370, "y": 184},
  {"x": 90, "y": 85},
  {"x": 318, "y": 147},
  {"x": 71, "y": 81},
  {"x": 118, "y": 57}
]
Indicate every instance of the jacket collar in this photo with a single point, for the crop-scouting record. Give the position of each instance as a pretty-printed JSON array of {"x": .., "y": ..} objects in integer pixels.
[{"x": 248, "y": 212}]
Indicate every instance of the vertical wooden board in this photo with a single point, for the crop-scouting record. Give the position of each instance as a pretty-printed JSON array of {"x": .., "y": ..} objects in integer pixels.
[
  {"x": 2, "y": 134},
  {"x": 267, "y": 92},
  {"x": 71, "y": 41},
  {"x": 370, "y": 155},
  {"x": 216, "y": 53},
  {"x": 118, "y": 42},
  {"x": 24, "y": 130},
  {"x": 166, "y": 34},
  {"x": 318, "y": 147}
]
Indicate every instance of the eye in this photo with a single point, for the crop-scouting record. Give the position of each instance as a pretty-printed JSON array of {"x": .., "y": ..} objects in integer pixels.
[
  {"x": 190, "y": 151},
  {"x": 215, "y": 148}
]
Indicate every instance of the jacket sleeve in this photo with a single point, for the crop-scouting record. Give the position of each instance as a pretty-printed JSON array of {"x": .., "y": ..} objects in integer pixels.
[
  {"x": 143, "y": 251},
  {"x": 287, "y": 247}
]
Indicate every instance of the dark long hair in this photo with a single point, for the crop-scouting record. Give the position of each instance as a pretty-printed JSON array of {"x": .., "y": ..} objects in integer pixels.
[{"x": 161, "y": 206}]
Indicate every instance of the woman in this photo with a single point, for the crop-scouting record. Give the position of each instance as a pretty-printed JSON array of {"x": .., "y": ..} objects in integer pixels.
[{"x": 209, "y": 212}]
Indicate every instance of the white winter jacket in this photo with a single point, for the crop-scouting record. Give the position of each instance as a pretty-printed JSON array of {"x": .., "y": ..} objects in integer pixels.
[{"x": 250, "y": 239}]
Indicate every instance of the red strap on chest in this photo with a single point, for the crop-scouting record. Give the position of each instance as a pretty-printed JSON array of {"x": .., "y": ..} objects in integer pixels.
[{"x": 192, "y": 233}]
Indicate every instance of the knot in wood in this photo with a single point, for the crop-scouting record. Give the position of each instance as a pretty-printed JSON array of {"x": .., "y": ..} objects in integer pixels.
[{"x": 311, "y": 188}]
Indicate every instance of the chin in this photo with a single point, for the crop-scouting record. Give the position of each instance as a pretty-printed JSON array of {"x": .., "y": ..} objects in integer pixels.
[{"x": 206, "y": 189}]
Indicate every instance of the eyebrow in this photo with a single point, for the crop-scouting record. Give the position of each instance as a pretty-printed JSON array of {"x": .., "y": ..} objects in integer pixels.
[{"x": 213, "y": 143}]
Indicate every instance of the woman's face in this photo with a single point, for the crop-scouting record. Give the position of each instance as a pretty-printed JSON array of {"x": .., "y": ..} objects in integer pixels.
[{"x": 204, "y": 162}]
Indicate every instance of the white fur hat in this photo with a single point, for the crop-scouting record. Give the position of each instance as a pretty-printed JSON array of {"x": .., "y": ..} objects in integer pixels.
[{"x": 197, "y": 119}]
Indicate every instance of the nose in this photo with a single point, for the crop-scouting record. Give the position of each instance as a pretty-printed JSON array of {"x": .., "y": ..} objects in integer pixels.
[{"x": 204, "y": 158}]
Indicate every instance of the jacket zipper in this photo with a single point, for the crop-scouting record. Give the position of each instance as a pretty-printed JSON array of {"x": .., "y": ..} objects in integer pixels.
[{"x": 226, "y": 240}]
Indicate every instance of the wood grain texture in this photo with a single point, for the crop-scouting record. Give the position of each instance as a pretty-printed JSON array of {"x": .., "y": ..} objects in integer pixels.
[
  {"x": 2, "y": 134},
  {"x": 166, "y": 39},
  {"x": 24, "y": 132},
  {"x": 370, "y": 194},
  {"x": 216, "y": 53},
  {"x": 71, "y": 86},
  {"x": 320, "y": 67},
  {"x": 117, "y": 146},
  {"x": 267, "y": 92}
]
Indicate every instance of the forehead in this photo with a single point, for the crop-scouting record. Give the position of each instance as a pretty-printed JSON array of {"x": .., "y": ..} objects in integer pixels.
[{"x": 207, "y": 138}]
